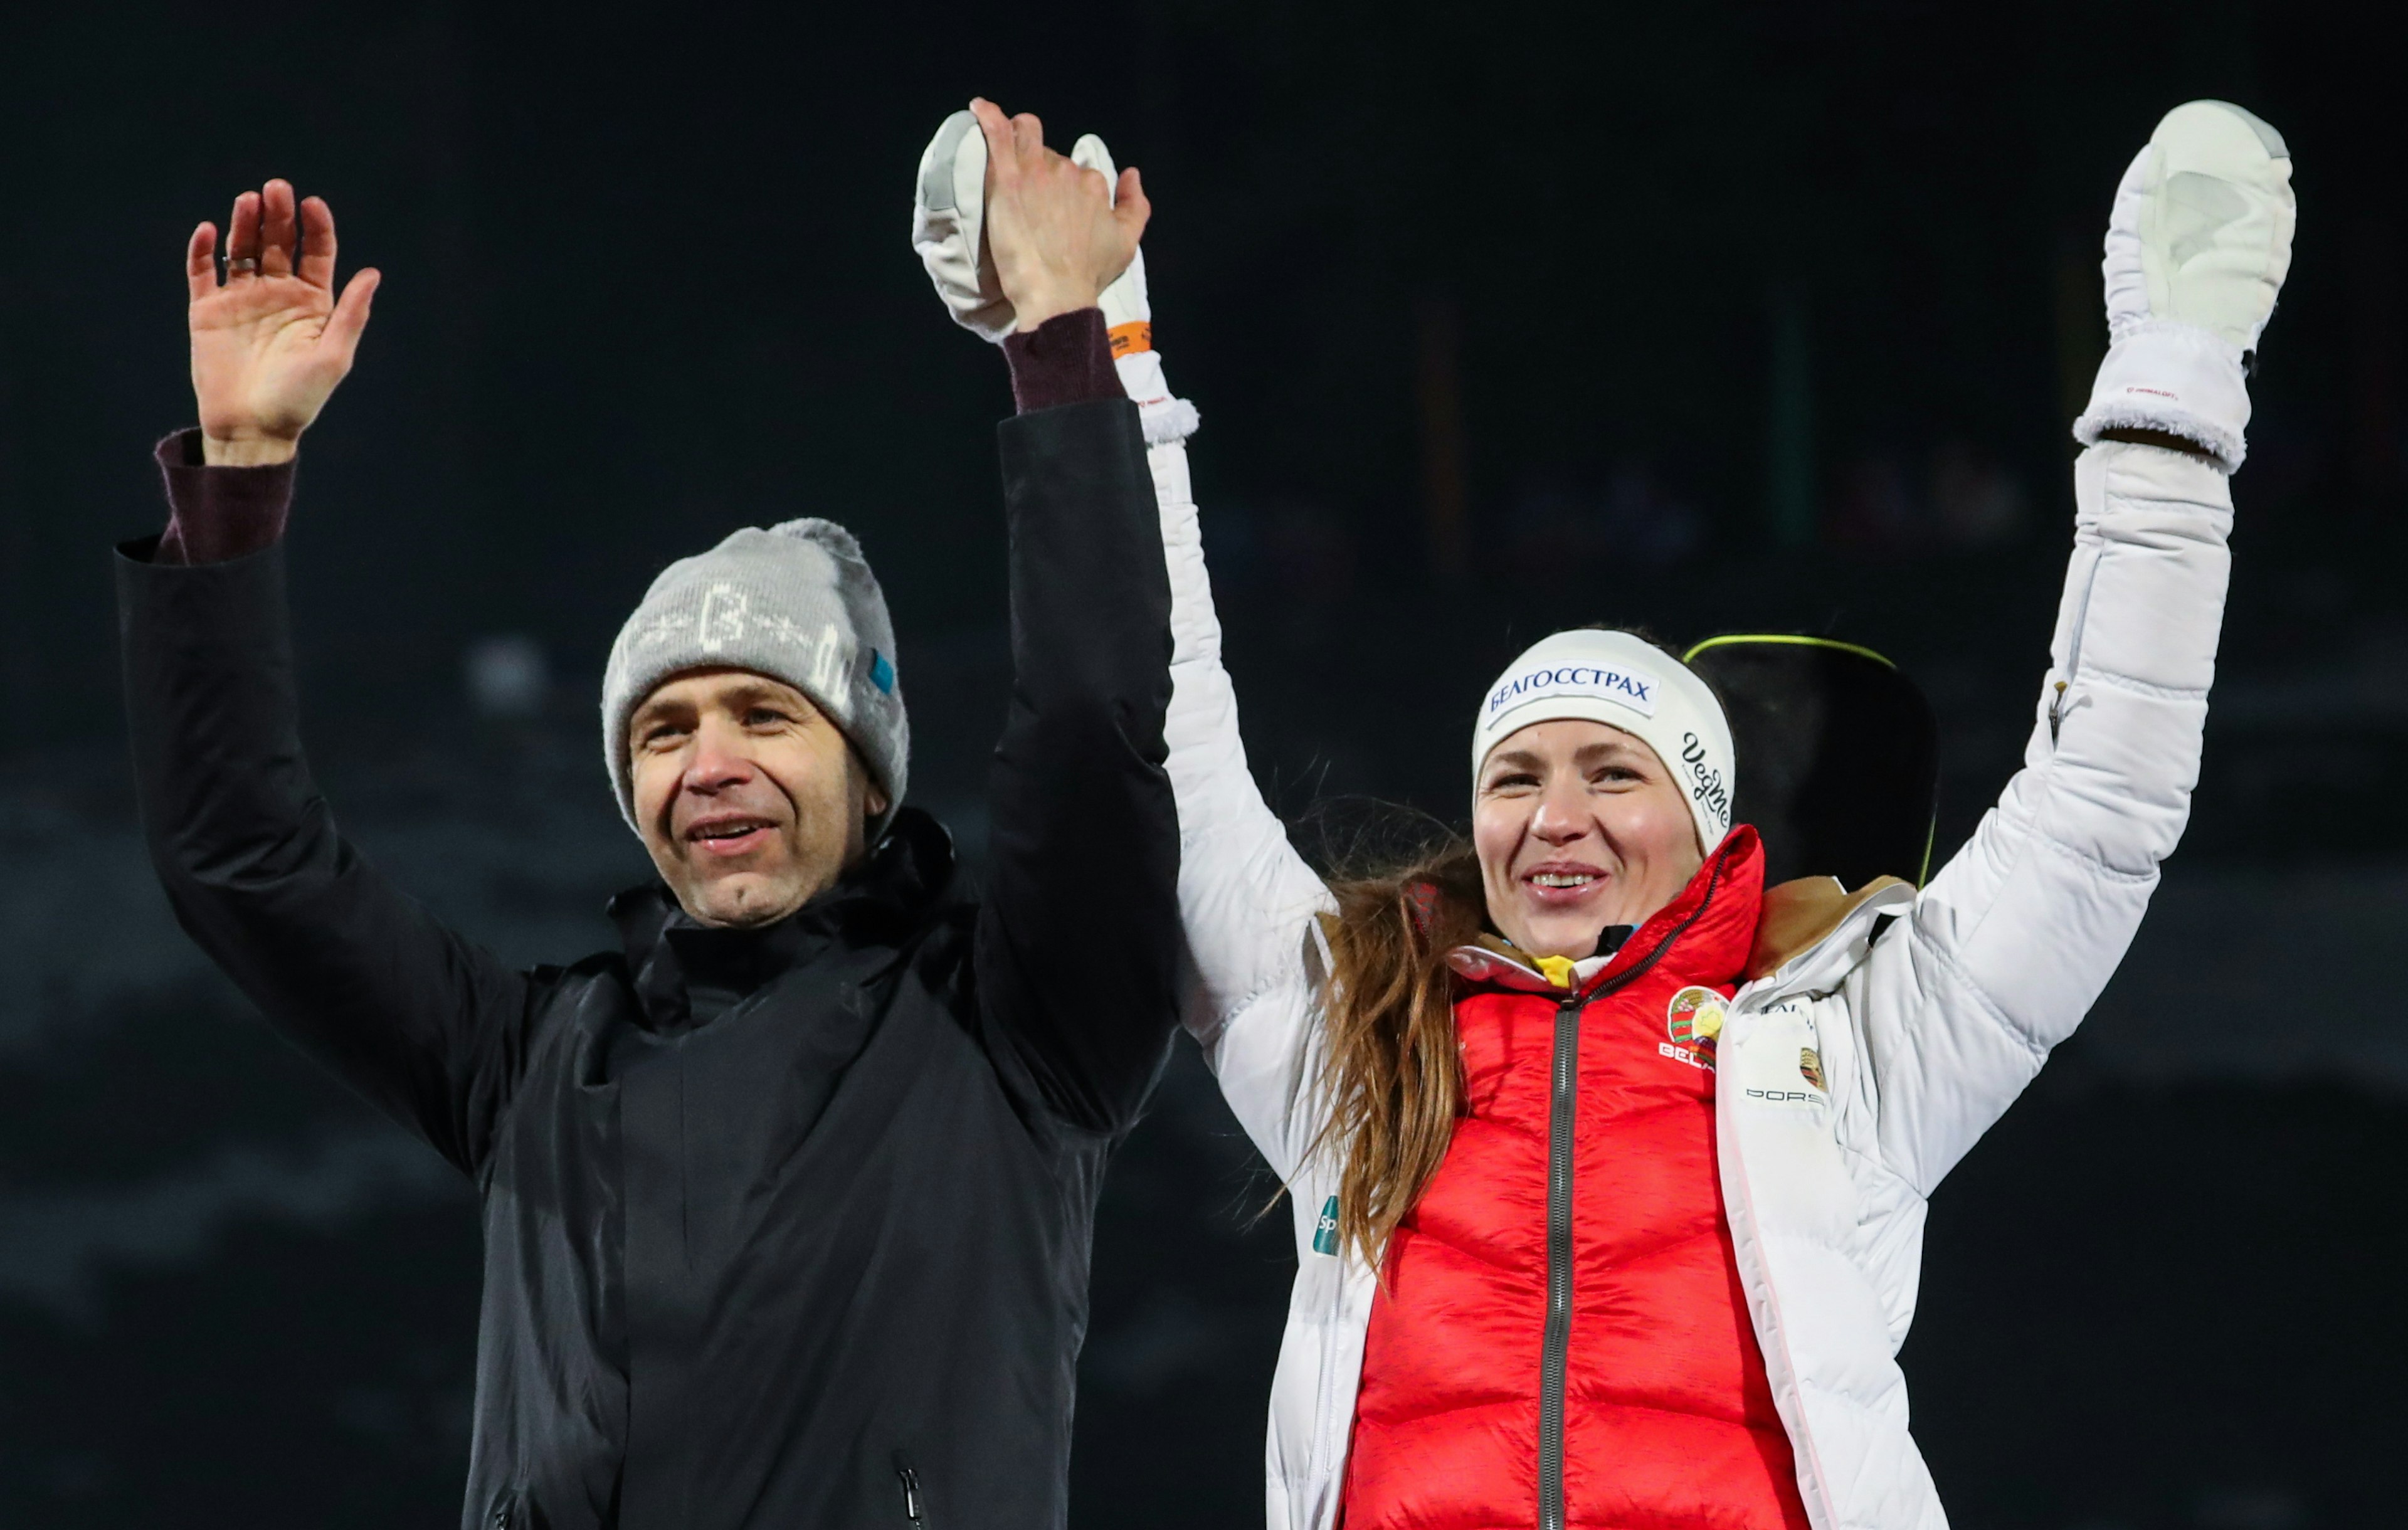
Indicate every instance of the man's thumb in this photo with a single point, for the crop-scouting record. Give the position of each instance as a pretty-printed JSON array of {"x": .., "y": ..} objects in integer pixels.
[
  {"x": 1129, "y": 204},
  {"x": 350, "y": 315}
]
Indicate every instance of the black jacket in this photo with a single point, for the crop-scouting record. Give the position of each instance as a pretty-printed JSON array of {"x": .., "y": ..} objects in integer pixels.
[{"x": 782, "y": 1228}]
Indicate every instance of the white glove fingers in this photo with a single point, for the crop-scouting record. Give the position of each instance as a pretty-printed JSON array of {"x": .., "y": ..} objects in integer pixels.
[
  {"x": 948, "y": 216},
  {"x": 1090, "y": 154}
]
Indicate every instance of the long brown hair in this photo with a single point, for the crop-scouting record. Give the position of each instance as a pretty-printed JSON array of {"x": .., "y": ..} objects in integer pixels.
[{"x": 1391, "y": 1070}]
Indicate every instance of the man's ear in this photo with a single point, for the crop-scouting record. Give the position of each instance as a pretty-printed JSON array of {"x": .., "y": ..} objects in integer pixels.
[{"x": 873, "y": 796}]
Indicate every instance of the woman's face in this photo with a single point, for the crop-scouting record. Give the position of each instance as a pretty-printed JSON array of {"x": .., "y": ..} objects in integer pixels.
[{"x": 1579, "y": 827}]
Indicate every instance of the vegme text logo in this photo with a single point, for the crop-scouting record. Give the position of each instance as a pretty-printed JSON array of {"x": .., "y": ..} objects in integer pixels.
[
  {"x": 1711, "y": 789},
  {"x": 1631, "y": 688}
]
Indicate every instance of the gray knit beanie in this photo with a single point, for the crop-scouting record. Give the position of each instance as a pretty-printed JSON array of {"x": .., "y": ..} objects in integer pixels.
[{"x": 797, "y": 602}]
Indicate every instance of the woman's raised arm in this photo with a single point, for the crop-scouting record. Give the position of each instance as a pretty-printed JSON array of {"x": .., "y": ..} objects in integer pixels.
[
  {"x": 1248, "y": 900},
  {"x": 2005, "y": 952}
]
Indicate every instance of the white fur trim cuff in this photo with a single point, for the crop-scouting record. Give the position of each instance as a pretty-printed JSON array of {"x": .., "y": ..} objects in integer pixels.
[
  {"x": 1173, "y": 419},
  {"x": 2174, "y": 378},
  {"x": 1166, "y": 419}
]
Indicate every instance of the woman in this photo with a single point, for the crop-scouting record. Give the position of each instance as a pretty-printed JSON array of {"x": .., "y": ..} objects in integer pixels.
[
  {"x": 1609, "y": 1168},
  {"x": 1609, "y": 1164}
]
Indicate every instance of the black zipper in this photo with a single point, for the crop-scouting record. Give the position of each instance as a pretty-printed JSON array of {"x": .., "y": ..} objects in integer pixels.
[
  {"x": 1556, "y": 1352},
  {"x": 1562, "y": 1116},
  {"x": 913, "y": 1506}
]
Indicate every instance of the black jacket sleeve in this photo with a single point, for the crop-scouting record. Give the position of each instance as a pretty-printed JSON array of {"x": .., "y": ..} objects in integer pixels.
[
  {"x": 426, "y": 1025},
  {"x": 1079, "y": 938}
]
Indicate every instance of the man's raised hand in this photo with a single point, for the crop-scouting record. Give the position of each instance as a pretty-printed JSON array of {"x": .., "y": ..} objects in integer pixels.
[
  {"x": 1058, "y": 233},
  {"x": 271, "y": 341}
]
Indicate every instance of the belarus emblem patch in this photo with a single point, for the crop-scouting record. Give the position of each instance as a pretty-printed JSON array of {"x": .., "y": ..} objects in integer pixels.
[{"x": 1694, "y": 1020}]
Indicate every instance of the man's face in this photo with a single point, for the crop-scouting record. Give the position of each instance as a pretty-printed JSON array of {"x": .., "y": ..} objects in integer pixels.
[{"x": 750, "y": 800}]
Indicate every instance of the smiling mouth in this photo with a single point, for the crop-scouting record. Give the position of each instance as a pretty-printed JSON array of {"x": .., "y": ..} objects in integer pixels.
[
  {"x": 732, "y": 837},
  {"x": 1563, "y": 887}
]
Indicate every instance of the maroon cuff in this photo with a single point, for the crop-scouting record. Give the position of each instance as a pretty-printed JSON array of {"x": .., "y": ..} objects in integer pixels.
[
  {"x": 218, "y": 514},
  {"x": 1065, "y": 360}
]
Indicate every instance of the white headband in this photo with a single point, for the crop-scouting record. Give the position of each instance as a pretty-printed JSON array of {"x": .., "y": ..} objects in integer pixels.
[{"x": 1624, "y": 682}]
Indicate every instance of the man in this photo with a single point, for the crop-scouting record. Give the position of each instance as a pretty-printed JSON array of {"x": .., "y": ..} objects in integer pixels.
[{"x": 787, "y": 1202}]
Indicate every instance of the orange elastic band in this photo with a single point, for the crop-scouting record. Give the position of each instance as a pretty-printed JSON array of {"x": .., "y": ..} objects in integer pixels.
[{"x": 1129, "y": 338}]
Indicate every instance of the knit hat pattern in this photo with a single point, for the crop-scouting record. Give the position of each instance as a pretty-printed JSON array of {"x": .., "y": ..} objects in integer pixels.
[{"x": 795, "y": 602}]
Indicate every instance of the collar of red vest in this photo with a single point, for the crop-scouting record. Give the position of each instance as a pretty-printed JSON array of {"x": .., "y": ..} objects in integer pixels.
[{"x": 1707, "y": 933}]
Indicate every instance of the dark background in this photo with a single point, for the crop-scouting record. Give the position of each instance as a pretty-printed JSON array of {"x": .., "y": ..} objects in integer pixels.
[{"x": 1501, "y": 317}]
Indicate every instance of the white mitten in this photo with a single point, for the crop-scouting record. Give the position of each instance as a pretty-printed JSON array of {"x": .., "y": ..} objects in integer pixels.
[
  {"x": 2197, "y": 249},
  {"x": 948, "y": 215}
]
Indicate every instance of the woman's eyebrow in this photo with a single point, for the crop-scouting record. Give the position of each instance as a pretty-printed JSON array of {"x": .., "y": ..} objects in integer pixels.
[{"x": 1605, "y": 750}]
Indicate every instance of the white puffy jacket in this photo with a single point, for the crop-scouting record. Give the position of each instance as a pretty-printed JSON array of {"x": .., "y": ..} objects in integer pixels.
[{"x": 1929, "y": 1027}]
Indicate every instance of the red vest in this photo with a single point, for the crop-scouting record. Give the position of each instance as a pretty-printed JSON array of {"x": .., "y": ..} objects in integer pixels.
[{"x": 1666, "y": 1419}]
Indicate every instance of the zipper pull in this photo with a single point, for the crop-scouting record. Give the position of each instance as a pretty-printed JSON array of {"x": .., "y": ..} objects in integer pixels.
[
  {"x": 910, "y": 1492},
  {"x": 2056, "y": 713}
]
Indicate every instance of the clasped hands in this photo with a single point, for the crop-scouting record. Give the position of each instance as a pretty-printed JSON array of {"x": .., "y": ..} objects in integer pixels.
[{"x": 1057, "y": 232}]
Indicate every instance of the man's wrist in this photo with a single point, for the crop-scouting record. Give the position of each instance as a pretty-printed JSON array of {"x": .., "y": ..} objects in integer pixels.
[
  {"x": 1032, "y": 314},
  {"x": 1067, "y": 360},
  {"x": 248, "y": 450},
  {"x": 214, "y": 515}
]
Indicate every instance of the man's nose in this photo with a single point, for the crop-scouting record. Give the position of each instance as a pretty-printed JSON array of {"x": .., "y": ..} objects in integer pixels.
[{"x": 716, "y": 763}]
